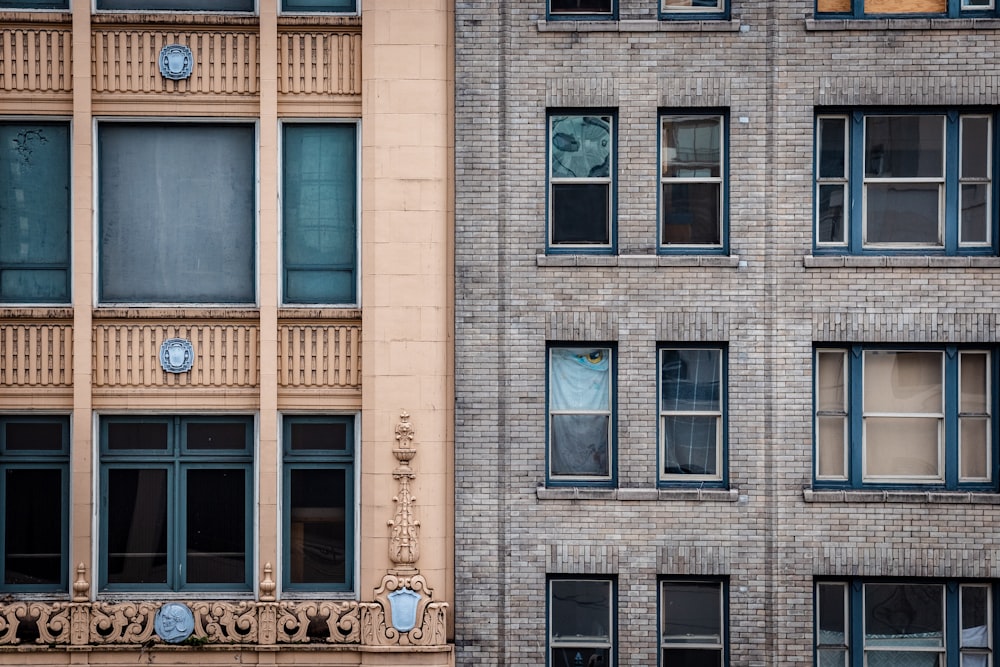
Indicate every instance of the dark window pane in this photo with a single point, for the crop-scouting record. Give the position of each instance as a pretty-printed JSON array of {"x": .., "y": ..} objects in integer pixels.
[
  {"x": 319, "y": 5},
  {"x": 690, "y": 379},
  {"x": 33, "y": 526},
  {"x": 217, "y": 435},
  {"x": 832, "y": 148},
  {"x": 581, "y": 146},
  {"x": 579, "y": 445},
  {"x": 34, "y": 436},
  {"x": 691, "y": 612},
  {"x": 975, "y": 199},
  {"x": 585, "y": 656},
  {"x": 832, "y": 616},
  {"x": 691, "y": 657},
  {"x": 168, "y": 231},
  {"x": 903, "y": 213},
  {"x": 34, "y": 4},
  {"x": 904, "y": 146},
  {"x": 580, "y": 213},
  {"x": 902, "y": 614},
  {"x": 179, "y": 5},
  {"x": 692, "y": 147},
  {"x": 216, "y": 526},
  {"x": 975, "y": 616},
  {"x": 33, "y": 285},
  {"x": 831, "y": 213},
  {"x": 318, "y": 539},
  {"x": 689, "y": 444},
  {"x": 319, "y": 436},
  {"x": 975, "y": 147},
  {"x": 581, "y": 609},
  {"x": 137, "y": 435},
  {"x": 137, "y": 526},
  {"x": 691, "y": 213},
  {"x": 582, "y": 6},
  {"x": 319, "y": 213}
]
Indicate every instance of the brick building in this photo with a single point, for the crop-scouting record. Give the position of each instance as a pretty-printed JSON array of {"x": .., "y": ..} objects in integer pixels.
[{"x": 726, "y": 351}]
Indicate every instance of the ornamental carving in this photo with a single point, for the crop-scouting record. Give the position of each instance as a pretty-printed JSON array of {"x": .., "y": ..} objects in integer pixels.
[{"x": 404, "y": 546}]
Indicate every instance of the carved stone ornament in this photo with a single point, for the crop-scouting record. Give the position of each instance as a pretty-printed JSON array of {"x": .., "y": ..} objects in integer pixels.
[
  {"x": 404, "y": 545},
  {"x": 176, "y": 62},
  {"x": 176, "y": 355}
]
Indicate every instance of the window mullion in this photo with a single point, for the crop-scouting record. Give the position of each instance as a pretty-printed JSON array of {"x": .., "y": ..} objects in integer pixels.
[
  {"x": 952, "y": 624},
  {"x": 855, "y": 413},
  {"x": 176, "y": 544},
  {"x": 951, "y": 422},
  {"x": 952, "y": 188},
  {"x": 856, "y": 174}
]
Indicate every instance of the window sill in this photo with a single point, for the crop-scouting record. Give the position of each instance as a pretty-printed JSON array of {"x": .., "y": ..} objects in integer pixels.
[
  {"x": 887, "y": 496},
  {"x": 900, "y": 261},
  {"x": 641, "y": 495},
  {"x": 33, "y": 312},
  {"x": 902, "y": 24},
  {"x": 180, "y": 312},
  {"x": 678, "y": 25},
  {"x": 649, "y": 261}
]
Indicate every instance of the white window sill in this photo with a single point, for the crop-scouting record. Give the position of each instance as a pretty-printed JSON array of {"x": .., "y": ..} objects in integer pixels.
[
  {"x": 887, "y": 496},
  {"x": 903, "y": 24},
  {"x": 624, "y": 25},
  {"x": 637, "y": 495},
  {"x": 899, "y": 261},
  {"x": 650, "y": 261}
]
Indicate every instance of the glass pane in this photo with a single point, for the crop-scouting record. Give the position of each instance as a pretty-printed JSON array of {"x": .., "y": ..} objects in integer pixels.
[
  {"x": 19, "y": 285},
  {"x": 831, "y": 658},
  {"x": 691, "y": 613},
  {"x": 831, "y": 621},
  {"x": 975, "y": 448},
  {"x": 581, "y": 145},
  {"x": 579, "y": 445},
  {"x": 905, "y": 615},
  {"x": 581, "y": 213},
  {"x": 168, "y": 232},
  {"x": 690, "y": 445},
  {"x": 580, "y": 378},
  {"x": 580, "y": 609},
  {"x": 34, "y": 436},
  {"x": 217, "y": 435},
  {"x": 690, "y": 379},
  {"x": 34, "y": 4},
  {"x": 831, "y": 212},
  {"x": 137, "y": 526},
  {"x": 180, "y": 5},
  {"x": 33, "y": 526},
  {"x": 975, "y": 205},
  {"x": 903, "y": 382},
  {"x": 902, "y": 447},
  {"x": 318, "y": 526},
  {"x": 974, "y": 383},
  {"x": 319, "y": 213},
  {"x": 585, "y": 656},
  {"x": 692, "y": 213},
  {"x": 975, "y": 147},
  {"x": 319, "y": 6},
  {"x": 904, "y": 146},
  {"x": 832, "y": 148},
  {"x": 830, "y": 382},
  {"x": 216, "y": 526},
  {"x": 975, "y": 660},
  {"x": 138, "y": 435},
  {"x": 897, "y": 658},
  {"x": 902, "y": 213},
  {"x": 831, "y": 442},
  {"x": 691, "y": 657},
  {"x": 975, "y": 616},
  {"x": 669, "y": 5},
  {"x": 319, "y": 436},
  {"x": 691, "y": 146}
]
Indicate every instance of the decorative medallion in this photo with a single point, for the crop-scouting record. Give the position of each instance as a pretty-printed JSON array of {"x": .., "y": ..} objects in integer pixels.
[
  {"x": 176, "y": 355},
  {"x": 176, "y": 62},
  {"x": 174, "y": 622},
  {"x": 404, "y": 609}
]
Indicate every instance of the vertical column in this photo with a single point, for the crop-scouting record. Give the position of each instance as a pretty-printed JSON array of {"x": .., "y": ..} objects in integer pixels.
[
  {"x": 407, "y": 266},
  {"x": 268, "y": 290},
  {"x": 82, "y": 179}
]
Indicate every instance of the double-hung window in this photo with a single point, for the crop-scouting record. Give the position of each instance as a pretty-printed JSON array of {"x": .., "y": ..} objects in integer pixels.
[
  {"x": 581, "y": 622},
  {"x": 905, "y": 416},
  {"x": 34, "y": 489},
  {"x": 581, "y": 415},
  {"x": 176, "y": 503},
  {"x": 896, "y": 181},
  {"x": 692, "y": 623},
  {"x": 692, "y": 181},
  {"x": 871, "y": 9},
  {"x": 692, "y": 414},
  {"x": 582, "y": 9},
  {"x": 177, "y": 213},
  {"x": 34, "y": 212},
  {"x": 318, "y": 502},
  {"x": 694, "y": 9},
  {"x": 581, "y": 181},
  {"x": 917, "y": 623}
]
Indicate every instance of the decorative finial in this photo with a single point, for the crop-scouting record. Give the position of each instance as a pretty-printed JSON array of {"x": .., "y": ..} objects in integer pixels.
[
  {"x": 404, "y": 547},
  {"x": 81, "y": 587},
  {"x": 267, "y": 584}
]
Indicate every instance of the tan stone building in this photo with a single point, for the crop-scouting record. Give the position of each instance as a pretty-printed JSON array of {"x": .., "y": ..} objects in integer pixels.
[{"x": 210, "y": 214}]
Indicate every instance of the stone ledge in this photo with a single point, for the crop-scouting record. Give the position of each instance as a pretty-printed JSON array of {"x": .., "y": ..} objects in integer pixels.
[
  {"x": 887, "y": 496},
  {"x": 679, "y": 25},
  {"x": 820, "y": 25},
  {"x": 641, "y": 261},
  {"x": 899, "y": 261},
  {"x": 637, "y": 495}
]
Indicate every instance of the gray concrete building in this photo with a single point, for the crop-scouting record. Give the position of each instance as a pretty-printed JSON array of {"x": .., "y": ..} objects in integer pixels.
[{"x": 727, "y": 356}]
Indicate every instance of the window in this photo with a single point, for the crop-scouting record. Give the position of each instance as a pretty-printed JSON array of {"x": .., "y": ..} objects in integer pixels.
[
  {"x": 318, "y": 501},
  {"x": 692, "y": 623},
  {"x": 582, "y": 9},
  {"x": 918, "y": 416},
  {"x": 581, "y": 183},
  {"x": 692, "y": 185},
  {"x": 176, "y": 498},
  {"x": 692, "y": 424},
  {"x": 883, "y": 8},
  {"x": 34, "y": 486},
  {"x": 897, "y": 181},
  {"x": 177, "y": 205},
  {"x": 320, "y": 213},
  {"x": 179, "y": 5},
  {"x": 34, "y": 212},
  {"x": 917, "y": 623},
  {"x": 580, "y": 415},
  {"x": 581, "y": 622},
  {"x": 694, "y": 9},
  {"x": 338, "y": 6}
]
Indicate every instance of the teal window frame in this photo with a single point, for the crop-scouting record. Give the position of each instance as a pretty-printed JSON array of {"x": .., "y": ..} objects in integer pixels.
[
  {"x": 843, "y": 178},
  {"x": 580, "y": 614},
  {"x": 176, "y": 459},
  {"x": 686, "y": 642},
  {"x": 308, "y": 459},
  {"x": 956, "y": 9},
  {"x": 319, "y": 6},
  {"x": 35, "y": 204},
  {"x": 850, "y": 472},
  {"x": 319, "y": 204},
  {"x": 844, "y": 629},
  {"x": 13, "y": 459}
]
